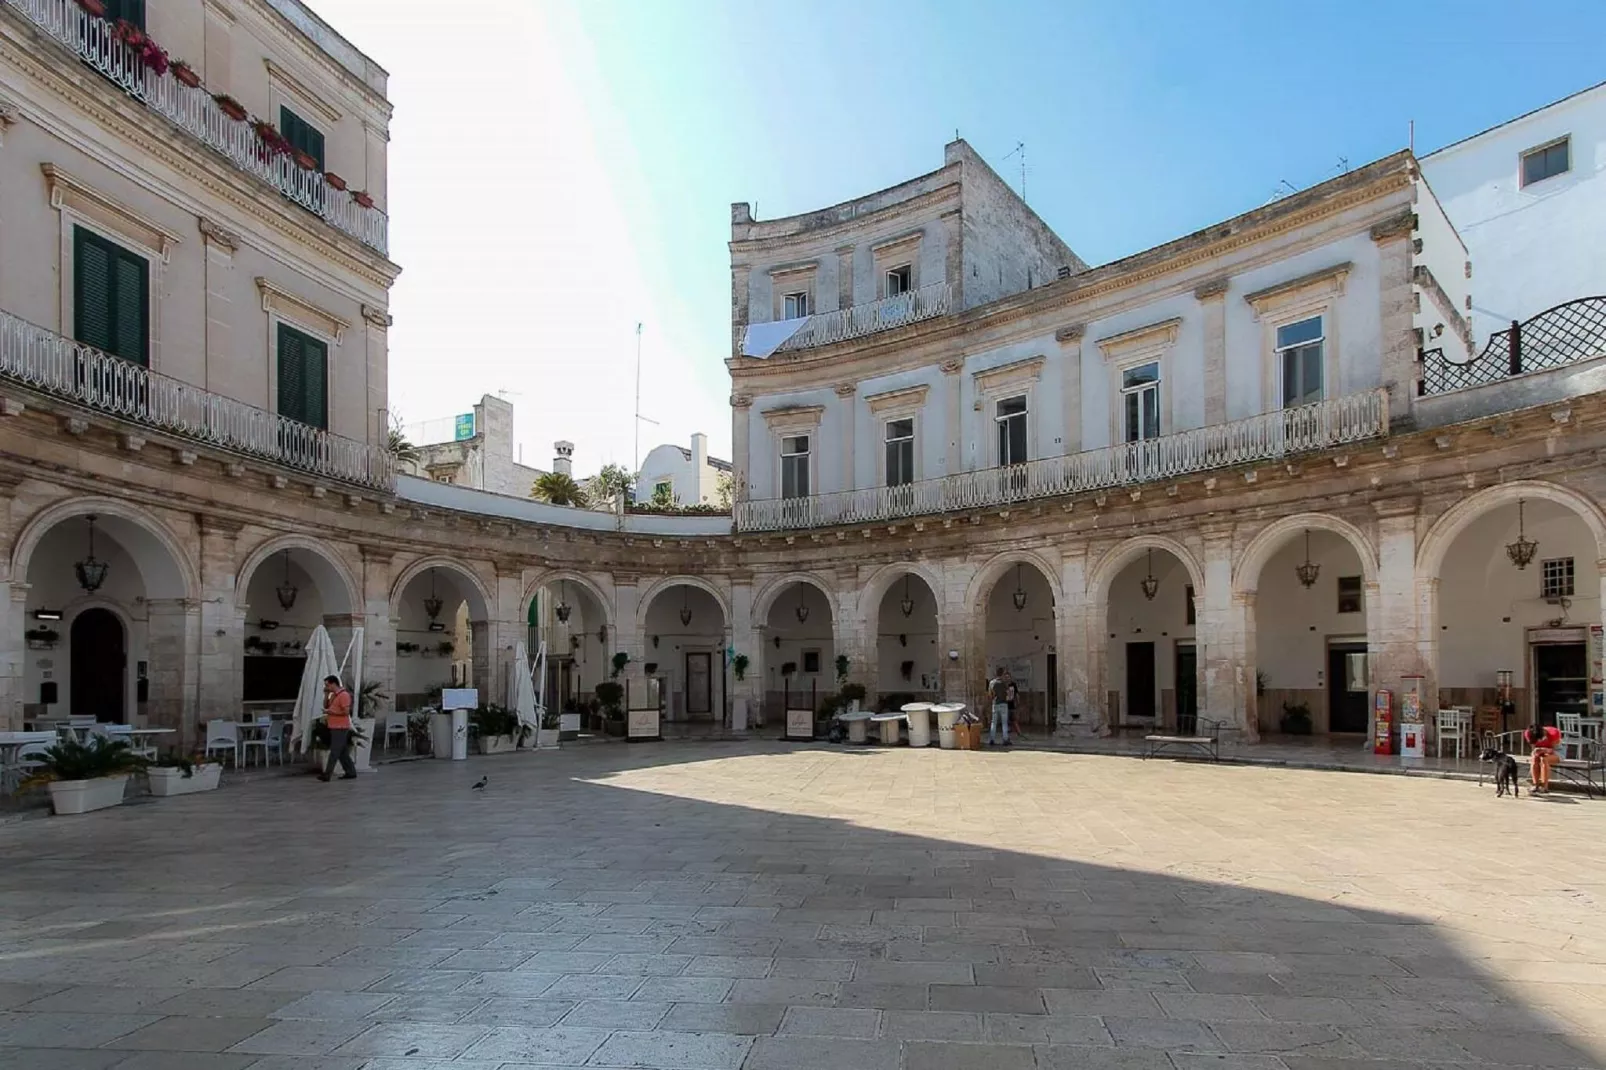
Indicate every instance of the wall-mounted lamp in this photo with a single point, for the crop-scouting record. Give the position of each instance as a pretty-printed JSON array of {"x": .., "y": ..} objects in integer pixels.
[
  {"x": 268, "y": 625},
  {"x": 436, "y": 626},
  {"x": 47, "y": 614}
]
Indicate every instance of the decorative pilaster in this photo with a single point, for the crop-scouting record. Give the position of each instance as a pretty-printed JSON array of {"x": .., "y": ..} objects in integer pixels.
[
  {"x": 1397, "y": 296},
  {"x": 849, "y": 413},
  {"x": 1070, "y": 340},
  {"x": 741, "y": 419},
  {"x": 1226, "y": 632},
  {"x": 1392, "y": 630},
  {"x": 844, "y": 276},
  {"x": 12, "y": 656},
  {"x": 1212, "y": 298},
  {"x": 173, "y": 628},
  {"x": 379, "y": 629},
  {"x": 222, "y": 637},
  {"x": 951, "y": 382},
  {"x": 1075, "y": 632},
  {"x": 747, "y": 695}
]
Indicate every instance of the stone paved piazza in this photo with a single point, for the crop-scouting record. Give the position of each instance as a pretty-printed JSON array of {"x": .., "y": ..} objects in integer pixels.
[{"x": 709, "y": 906}]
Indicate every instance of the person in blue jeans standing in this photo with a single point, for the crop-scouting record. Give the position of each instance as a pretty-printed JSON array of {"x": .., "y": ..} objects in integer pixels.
[{"x": 1001, "y": 686}]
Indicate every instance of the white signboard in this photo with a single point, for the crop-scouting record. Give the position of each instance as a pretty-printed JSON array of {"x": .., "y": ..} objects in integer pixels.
[
  {"x": 642, "y": 724},
  {"x": 799, "y": 724},
  {"x": 460, "y": 698}
]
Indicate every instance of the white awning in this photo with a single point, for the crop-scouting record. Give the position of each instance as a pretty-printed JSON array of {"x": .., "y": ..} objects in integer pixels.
[{"x": 762, "y": 339}]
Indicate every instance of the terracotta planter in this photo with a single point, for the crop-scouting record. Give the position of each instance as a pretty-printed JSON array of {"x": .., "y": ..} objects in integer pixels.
[
  {"x": 93, "y": 7},
  {"x": 169, "y": 781},
  {"x": 186, "y": 75},
  {"x": 304, "y": 161},
  {"x": 82, "y": 796},
  {"x": 367, "y": 202},
  {"x": 335, "y": 180},
  {"x": 232, "y": 108}
]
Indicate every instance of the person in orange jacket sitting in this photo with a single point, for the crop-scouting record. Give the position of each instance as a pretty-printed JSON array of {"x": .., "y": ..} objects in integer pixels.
[{"x": 1544, "y": 739}]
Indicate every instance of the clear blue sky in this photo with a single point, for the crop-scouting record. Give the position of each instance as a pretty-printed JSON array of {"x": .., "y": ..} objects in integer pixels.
[{"x": 631, "y": 126}]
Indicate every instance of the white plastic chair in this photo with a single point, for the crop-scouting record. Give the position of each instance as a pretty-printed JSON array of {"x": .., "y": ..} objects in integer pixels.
[
  {"x": 1451, "y": 726},
  {"x": 23, "y": 764},
  {"x": 222, "y": 735},
  {"x": 395, "y": 725},
  {"x": 269, "y": 740},
  {"x": 1572, "y": 733}
]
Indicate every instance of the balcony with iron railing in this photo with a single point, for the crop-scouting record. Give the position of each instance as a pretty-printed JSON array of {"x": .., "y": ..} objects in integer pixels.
[
  {"x": 856, "y": 321},
  {"x": 1271, "y": 436},
  {"x": 1567, "y": 334},
  {"x": 195, "y": 111},
  {"x": 58, "y": 367}
]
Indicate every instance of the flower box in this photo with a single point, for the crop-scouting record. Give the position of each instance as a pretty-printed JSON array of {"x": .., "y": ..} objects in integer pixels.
[
  {"x": 362, "y": 198},
  {"x": 167, "y": 780},
  {"x": 93, "y": 7},
  {"x": 231, "y": 107},
  {"x": 335, "y": 180},
  {"x": 129, "y": 34},
  {"x": 496, "y": 744},
  {"x": 186, "y": 75},
  {"x": 82, "y": 796},
  {"x": 546, "y": 739},
  {"x": 304, "y": 160}
]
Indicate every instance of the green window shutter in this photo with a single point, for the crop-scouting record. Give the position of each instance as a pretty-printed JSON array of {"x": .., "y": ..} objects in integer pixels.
[
  {"x": 127, "y": 10},
  {"x": 303, "y": 378},
  {"x": 111, "y": 297},
  {"x": 301, "y": 134}
]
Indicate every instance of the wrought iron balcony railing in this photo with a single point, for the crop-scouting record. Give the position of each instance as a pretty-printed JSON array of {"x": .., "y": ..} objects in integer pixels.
[
  {"x": 50, "y": 364},
  {"x": 193, "y": 110},
  {"x": 1556, "y": 337},
  {"x": 1267, "y": 437},
  {"x": 856, "y": 321}
]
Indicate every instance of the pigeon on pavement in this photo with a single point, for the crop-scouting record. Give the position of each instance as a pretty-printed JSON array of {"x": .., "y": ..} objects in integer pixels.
[{"x": 482, "y": 782}]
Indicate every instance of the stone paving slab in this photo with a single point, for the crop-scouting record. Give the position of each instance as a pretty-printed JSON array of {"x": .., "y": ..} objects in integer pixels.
[{"x": 750, "y": 906}]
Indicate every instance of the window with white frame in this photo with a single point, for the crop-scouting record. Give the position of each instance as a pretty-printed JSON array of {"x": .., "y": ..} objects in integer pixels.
[
  {"x": 1299, "y": 361},
  {"x": 900, "y": 452},
  {"x": 795, "y": 466},
  {"x": 1010, "y": 416},
  {"x": 900, "y": 280},
  {"x": 1547, "y": 161},
  {"x": 1140, "y": 401},
  {"x": 794, "y": 306},
  {"x": 1556, "y": 578}
]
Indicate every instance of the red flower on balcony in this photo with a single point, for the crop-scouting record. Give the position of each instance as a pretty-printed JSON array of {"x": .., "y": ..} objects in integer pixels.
[
  {"x": 93, "y": 7},
  {"x": 273, "y": 141},
  {"x": 334, "y": 180},
  {"x": 186, "y": 74},
  {"x": 230, "y": 107},
  {"x": 129, "y": 34},
  {"x": 362, "y": 198},
  {"x": 155, "y": 56}
]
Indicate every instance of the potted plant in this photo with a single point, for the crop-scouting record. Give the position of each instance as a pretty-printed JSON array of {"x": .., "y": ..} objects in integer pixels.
[
  {"x": 174, "y": 775},
  {"x": 230, "y": 107},
  {"x": 86, "y": 776},
  {"x": 550, "y": 732},
  {"x": 42, "y": 638},
  {"x": 304, "y": 160},
  {"x": 418, "y": 741},
  {"x": 186, "y": 74},
  {"x": 853, "y": 695},
  {"x": 1295, "y": 720},
  {"x": 273, "y": 142},
  {"x": 739, "y": 666},
  {"x": 841, "y": 669},
  {"x": 444, "y": 648},
  {"x": 362, "y": 198},
  {"x": 370, "y": 701},
  {"x": 93, "y": 7},
  {"x": 154, "y": 56},
  {"x": 335, "y": 180},
  {"x": 497, "y": 729},
  {"x": 129, "y": 34},
  {"x": 620, "y": 660}
]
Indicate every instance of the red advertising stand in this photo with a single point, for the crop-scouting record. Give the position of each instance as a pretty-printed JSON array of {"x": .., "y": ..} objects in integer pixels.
[{"x": 1383, "y": 715}]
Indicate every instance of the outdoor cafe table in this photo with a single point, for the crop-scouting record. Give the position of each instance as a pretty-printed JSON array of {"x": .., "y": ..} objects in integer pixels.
[
  {"x": 855, "y": 720},
  {"x": 889, "y": 726},
  {"x": 919, "y": 715},
  {"x": 12, "y": 742}
]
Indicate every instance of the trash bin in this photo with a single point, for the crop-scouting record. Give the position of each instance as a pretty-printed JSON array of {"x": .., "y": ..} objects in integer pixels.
[
  {"x": 947, "y": 713},
  {"x": 1411, "y": 742},
  {"x": 919, "y": 714},
  {"x": 459, "y": 735}
]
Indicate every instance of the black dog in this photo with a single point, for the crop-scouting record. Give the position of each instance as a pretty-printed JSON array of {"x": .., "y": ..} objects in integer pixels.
[{"x": 1505, "y": 771}]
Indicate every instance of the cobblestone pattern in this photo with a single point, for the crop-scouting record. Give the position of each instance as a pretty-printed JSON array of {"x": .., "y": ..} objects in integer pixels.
[{"x": 743, "y": 905}]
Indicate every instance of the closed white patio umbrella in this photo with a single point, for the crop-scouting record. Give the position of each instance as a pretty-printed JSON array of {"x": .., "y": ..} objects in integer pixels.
[
  {"x": 525, "y": 702},
  {"x": 309, "y": 699}
]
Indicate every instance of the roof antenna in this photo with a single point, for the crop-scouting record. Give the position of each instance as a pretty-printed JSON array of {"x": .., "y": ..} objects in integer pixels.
[
  {"x": 1410, "y": 136},
  {"x": 1020, "y": 147}
]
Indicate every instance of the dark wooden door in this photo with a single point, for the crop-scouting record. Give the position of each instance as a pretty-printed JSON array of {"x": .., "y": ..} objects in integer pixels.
[
  {"x": 99, "y": 663},
  {"x": 1348, "y": 699},
  {"x": 1139, "y": 681},
  {"x": 699, "y": 677},
  {"x": 1187, "y": 689},
  {"x": 1561, "y": 681}
]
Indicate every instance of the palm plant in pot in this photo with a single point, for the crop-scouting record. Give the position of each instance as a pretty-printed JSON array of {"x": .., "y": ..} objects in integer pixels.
[
  {"x": 86, "y": 776},
  {"x": 177, "y": 775},
  {"x": 497, "y": 729}
]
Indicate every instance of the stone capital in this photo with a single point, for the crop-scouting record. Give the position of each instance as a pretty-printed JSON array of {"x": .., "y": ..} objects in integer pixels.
[
  {"x": 1391, "y": 508},
  {"x": 1395, "y": 227},
  {"x": 846, "y": 390},
  {"x": 1072, "y": 333},
  {"x": 741, "y": 401},
  {"x": 1215, "y": 288},
  {"x": 219, "y": 235},
  {"x": 377, "y": 316},
  {"x": 952, "y": 366}
]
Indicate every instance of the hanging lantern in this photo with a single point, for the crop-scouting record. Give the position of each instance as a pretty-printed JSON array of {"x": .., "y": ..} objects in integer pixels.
[
  {"x": 287, "y": 593},
  {"x": 563, "y": 608},
  {"x": 1521, "y": 552},
  {"x": 908, "y": 604},
  {"x": 91, "y": 572},
  {"x": 1020, "y": 592},
  {"x": 602, "y": 633},
  {"x": 685, "y": 606},
  {"x": 1310, "y": 569},
  {"x": 802, "y": 610},
  {"x": 432, "y": 604},
  {"x": 1150, "y": 584}
]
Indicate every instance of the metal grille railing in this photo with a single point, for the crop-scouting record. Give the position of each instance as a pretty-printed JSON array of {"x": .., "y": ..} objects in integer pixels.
[
  {"x": 1269, "y": 436},
  {"x": 45, "y": 361},
  {"x": 856, "y": 321},
  {"x": 1556, "y": 337},
  {"x": 94, "y": 41}
]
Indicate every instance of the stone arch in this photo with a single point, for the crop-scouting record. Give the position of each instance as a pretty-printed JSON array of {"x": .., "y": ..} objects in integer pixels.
[
  {"x": 1119, "y": 556},
  {"x": 981, "y": 585},
  {"x": 882, "y": 579},
  {"x": 1271, "y": 538},
  {"x": 551, "y": 577},
  {"x": 764, "y": 600},
  {"x": 328, "y": 568},
  {"x": 476, "y": 591},
  {"x": 663, "y": 584},
  {"x": 166, "y": 566},
  {"x": 1442, "y": 534}
]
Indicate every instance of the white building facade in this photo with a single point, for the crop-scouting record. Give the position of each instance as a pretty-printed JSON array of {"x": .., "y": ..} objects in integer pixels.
[{"x": 688, "y": 476}]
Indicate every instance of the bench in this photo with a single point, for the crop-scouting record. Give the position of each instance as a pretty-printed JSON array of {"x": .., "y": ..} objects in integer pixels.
[
  {"x": 1586, "y": 766},
  {"x": 1206, "y": 740}
]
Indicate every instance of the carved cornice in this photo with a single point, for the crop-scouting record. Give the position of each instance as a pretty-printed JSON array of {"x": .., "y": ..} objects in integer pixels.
[
  {"x": 846, "y": 390},
  {"x": 1394, "y": 227},
  {"x": 1150, "y": 336},
  {"x": 69, "y": 191},
  {"x": 741, "y": 401},
  {"x": 794, "y": 417},
  {"x": 832, "y": 234},
  {"x": 217, "y": 234},
  {"x": 908, "y": 398},
  {"x": 378, "y": 316},
  {"x": 276, "y": 298},
  {"x": 1215, "y": 288},
  {"x": 1329, "y": 281},
  {"x": 1015, "y": 374},
  {"x": 1073, "y": 333},
  {"x": 304, "y": 95}
]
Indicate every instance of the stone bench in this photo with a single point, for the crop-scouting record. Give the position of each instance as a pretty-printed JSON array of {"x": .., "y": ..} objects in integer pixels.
[{"x": 1206, "y": 742}]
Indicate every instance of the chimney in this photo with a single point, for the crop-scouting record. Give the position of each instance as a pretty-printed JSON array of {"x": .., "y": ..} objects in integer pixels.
[
  {"x": 699, "y": 454},
  {"x": 564, "y": 460}
]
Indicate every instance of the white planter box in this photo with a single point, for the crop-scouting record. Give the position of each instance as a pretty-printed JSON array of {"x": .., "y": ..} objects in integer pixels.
[
  {"x": 546, "y": 739},
  {"x": 82, "y": 796},
  {"x": 569, "y": 725},
  {"x": 496, "y": 744},
  {"x": 203, "y": 777}
]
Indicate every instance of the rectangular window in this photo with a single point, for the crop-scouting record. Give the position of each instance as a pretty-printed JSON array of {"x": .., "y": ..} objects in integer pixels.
[
  {"x": 811, "y": 661},
  {"x": 900, "y": 452},
  {"x": 1556, "y": 578},
  {"x": 1011, "y": 420},
  {"x": 1299, "y": 361},
  {"x": 663, "y": 489},
  {"x": 1140, "y": 400},
  {"x": 795, "y": 467},
  {"x": 1547, "y": 161},
  {"x": 132, "y": 11},
  {"x": 303, "y": 378},
  {"x": 795, "y": 306},
  {"x": 1349, "y": 594},
  {"x": 900, "y": 280},
  {"x": 1187, "y": 594},
  {"x": 111, "y": 297},
  {"x": 301, "y": 135}
]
